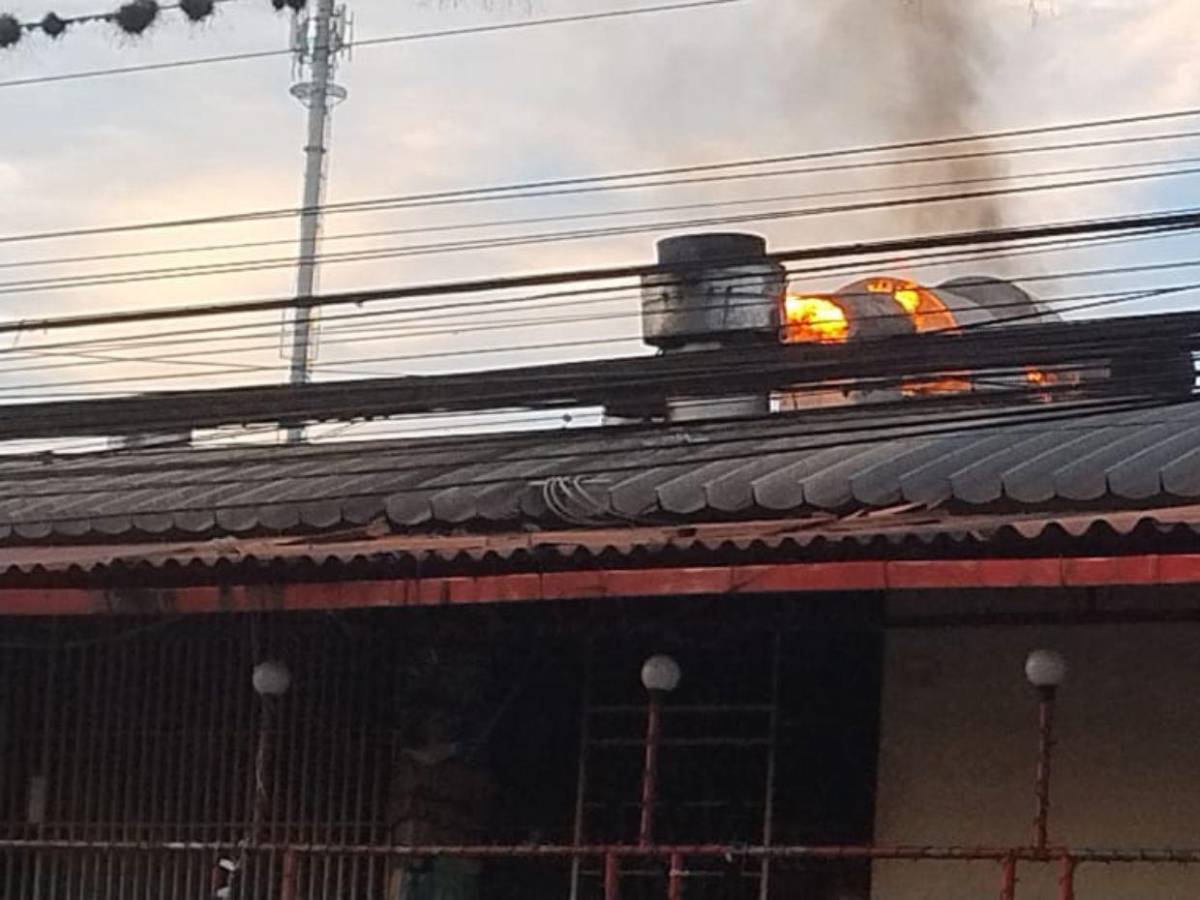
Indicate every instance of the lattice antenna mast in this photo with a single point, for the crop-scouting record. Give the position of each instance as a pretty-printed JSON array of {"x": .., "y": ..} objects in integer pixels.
[{"x": 319, "y": 38}]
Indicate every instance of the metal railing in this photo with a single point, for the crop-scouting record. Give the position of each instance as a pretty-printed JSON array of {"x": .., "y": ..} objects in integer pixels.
[{"x": 106, "y": 870}]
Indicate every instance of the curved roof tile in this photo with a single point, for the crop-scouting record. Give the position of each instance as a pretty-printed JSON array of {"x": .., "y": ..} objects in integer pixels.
[{"x": 785, "y": 465}]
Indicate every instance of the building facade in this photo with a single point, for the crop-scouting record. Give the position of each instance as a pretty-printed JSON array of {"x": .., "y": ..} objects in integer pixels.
[{"x": 415, "y": 670}]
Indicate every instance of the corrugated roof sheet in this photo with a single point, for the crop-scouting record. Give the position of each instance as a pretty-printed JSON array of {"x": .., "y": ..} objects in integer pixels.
[
  {"x": 865, "y": 532},
  {"x": 779, "y": 467}
]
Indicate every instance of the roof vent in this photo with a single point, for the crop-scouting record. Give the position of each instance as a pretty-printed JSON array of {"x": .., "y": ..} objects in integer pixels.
[
  {"x": 717, "y": 289},
  {"x": 714, "y": 290}
]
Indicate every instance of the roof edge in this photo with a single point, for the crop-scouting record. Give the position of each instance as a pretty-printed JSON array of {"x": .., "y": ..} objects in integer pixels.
[{"x": 784, "y": 578}]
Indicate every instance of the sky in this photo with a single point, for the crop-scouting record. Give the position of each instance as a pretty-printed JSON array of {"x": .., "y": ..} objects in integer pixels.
[{"x": 751, "y": 79}]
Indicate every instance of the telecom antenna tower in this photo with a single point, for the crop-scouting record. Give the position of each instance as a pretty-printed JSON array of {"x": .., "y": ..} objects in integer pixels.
[{"x": 319, "y": 38}]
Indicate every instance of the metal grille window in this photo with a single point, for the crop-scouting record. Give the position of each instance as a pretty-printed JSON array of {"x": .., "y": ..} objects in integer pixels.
[{"x": 138, "y": 761}]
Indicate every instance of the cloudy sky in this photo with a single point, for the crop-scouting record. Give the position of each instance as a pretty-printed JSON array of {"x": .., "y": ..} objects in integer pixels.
[{"x": 756, "y": 78}]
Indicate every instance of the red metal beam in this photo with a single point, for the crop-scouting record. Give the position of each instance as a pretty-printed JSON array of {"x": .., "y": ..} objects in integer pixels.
[
  {"x": 612, "y": 854},
  {"x": 1008, "y": 878},
  {"x": 612, "y": 877},
  {"x": 879, "y": 575},
  {"x": 1066, "y": 879}
]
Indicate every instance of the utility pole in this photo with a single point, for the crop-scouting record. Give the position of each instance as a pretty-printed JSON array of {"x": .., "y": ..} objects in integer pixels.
[{"x": 319, "y": 39}]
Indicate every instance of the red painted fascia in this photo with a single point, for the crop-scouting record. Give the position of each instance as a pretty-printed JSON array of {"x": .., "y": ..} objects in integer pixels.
[{"x": 879, "y": 575}]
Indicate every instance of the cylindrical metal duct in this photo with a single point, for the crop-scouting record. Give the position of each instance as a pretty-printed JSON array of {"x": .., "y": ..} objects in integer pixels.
[{"x": 718, "y": 289}]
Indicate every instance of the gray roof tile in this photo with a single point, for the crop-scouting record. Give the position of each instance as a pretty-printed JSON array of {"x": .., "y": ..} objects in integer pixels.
[
  {"x": 1139, "y": 475},
  {"x": 782, "y": 465},
  {"x": 980, "y": 480},
  {"x": 931, "y": 483}
]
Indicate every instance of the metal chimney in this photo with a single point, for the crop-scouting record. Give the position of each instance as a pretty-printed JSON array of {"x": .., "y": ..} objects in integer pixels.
[{"x": 716, "y": 290}]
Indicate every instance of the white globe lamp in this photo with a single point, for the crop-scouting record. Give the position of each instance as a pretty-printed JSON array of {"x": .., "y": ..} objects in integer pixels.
[
  {"x": 1045, "y": 669},
  {"x": 271, "y": 679},
  {"x": 661, "y": 674}
]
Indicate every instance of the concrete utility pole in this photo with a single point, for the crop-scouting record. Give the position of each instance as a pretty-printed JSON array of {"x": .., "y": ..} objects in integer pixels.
[{"x": 319, "y": 38}]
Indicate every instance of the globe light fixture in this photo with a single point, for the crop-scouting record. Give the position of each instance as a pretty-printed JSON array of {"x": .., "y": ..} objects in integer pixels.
[
  {"x": 1045, "y": 669},
  {"x": 271, "y": 679},
  {"x": 660, "y": 676},
  {"x": 661, "y": 673}
]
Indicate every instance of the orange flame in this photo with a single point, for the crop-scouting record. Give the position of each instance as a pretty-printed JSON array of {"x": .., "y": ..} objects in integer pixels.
[
  {"x": 814, "y": 318},
  {"x": 909, "y": 299},
  {"x": 927, "y": 312}
]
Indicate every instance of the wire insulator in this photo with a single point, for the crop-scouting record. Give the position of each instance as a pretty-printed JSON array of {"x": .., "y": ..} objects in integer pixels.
[
  {"x": 196, "y": 10},
  {"x": 294, "y": 5},
  {"x": 52, "y": 25},
  {"x": 136, "y": 16},
  {"x": 10, "y": 30}
]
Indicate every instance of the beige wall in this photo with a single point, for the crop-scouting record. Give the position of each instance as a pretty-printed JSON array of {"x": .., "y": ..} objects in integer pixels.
[{"x": 958, "y": 744}]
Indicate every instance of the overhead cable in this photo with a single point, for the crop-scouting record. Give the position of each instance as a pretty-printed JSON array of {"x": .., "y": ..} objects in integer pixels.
[
  {"x": 580, "y": 382},
  {"x": 1113, "y": 225},
  {"x": 366, "y": 42},
  {"x": 542, "y": 301},
  {"x": 132, "y": 17},
  {"x": 134, "y": 276},
  {"x": 581, "y": 184},
  {"x": 373, "y": 333},
  {"x": 480, "y": 224}
]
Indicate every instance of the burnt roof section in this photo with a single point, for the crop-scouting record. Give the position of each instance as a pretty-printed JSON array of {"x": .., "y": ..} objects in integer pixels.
[{"x": 783, "y": 466}]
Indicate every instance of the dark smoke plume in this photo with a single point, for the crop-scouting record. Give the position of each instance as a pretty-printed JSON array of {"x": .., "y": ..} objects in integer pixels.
[{"x": 921, "y": 65}]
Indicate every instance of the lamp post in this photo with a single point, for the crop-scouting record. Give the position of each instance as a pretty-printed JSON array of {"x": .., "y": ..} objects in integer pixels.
[
  {"x": 1046, "y": 671},
  {"x": 660, "y": 676},
  {"x": 271, "y": 680}
]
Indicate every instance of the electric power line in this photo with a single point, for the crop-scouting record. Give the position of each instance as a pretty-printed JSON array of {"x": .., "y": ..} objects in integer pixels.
[
  {"x": 1060, "y": 275},
  {"x": 1143, "y": 326},
  {"x": 603, "y": 214},
  {"x": 128, "y": 276},
  {"x": 133, "y": 17},
  {"x": 27, "y": 286},
  {"x": 483, "y": 421},
  {"x": 546, "y": 378},
  {"x": 1113, "y": 225},
  {"x": 371, "y": 334},
  {"x": 367, "y": 42},
  {"x": 588, "y": 184},
  {"x": 374, "y": 318}
]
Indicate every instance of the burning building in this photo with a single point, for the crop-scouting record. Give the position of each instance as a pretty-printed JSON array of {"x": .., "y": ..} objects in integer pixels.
[
  {"x": 698, "y": 302},
  {"x": 714, "y": 652}
]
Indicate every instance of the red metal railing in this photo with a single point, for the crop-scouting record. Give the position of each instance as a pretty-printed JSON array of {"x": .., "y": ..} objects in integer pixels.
[
  {"x": 154, "y": 771},
  {"x": 112, "y": 869}
]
